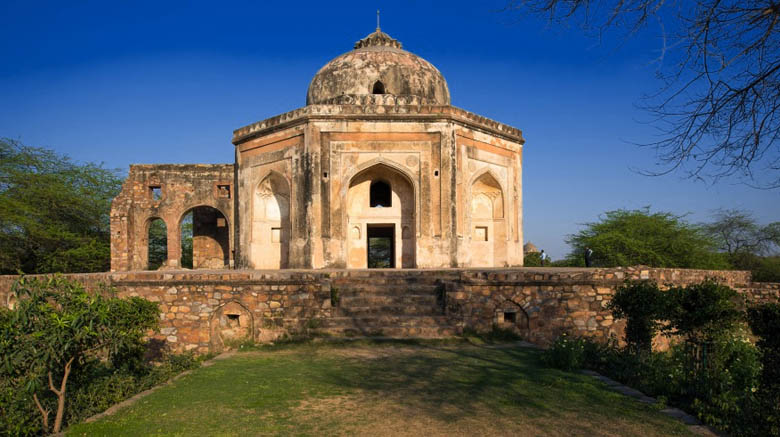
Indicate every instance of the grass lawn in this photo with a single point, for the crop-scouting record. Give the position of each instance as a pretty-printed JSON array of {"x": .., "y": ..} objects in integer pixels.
[{"x": 380, "y": 389}]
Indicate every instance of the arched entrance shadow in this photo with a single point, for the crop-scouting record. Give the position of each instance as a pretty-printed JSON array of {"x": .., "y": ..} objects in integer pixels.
[
  {"x": 380, "y": 219},
  {"x": 205, "y": 238}
]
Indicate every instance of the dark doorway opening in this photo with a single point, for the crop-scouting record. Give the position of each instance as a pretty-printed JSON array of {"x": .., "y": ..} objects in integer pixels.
[{"x": 381, "y": 246}]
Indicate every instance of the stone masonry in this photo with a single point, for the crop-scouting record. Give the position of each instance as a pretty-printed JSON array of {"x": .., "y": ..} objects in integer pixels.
[
  {"x": 168, "y": 192},
  {"x": 201, "y": 311}
]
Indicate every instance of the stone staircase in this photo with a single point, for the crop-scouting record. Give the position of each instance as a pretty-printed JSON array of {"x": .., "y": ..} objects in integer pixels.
[{"x": 382, "y": 304}]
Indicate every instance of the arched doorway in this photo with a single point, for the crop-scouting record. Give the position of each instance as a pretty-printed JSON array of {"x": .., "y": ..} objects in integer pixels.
[
  {"x": 205, "y": 239},
  {"x": 488, "y": 229},
  {"x": 156, "y": 243},
  {"x": 270, "y": 238},
  {"x": 380, "y": 219}
]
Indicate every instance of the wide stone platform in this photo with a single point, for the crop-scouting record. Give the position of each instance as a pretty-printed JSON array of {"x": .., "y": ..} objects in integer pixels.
[{"x": 207, "y": 310}]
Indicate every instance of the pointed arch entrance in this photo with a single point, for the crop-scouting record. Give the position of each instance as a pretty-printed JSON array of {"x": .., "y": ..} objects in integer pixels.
[
  {"x": 270, "y": 238},
  {"x": 381, "y": 219}
]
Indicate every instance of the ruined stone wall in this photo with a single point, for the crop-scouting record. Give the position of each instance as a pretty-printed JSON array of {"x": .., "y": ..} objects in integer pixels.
[
  {"x": 168, "y": 192},
  {"x": 548, "y": 302},
  {"x": 204, "y": 310}
]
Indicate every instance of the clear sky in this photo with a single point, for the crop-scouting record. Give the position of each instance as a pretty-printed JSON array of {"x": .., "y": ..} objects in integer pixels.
[{"x": 168, "y": 82}]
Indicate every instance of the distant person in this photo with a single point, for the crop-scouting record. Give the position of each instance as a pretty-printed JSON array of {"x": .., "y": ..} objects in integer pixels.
[
  {"x": 588, "y": 256},
  {"x": 544, "y": 257}
]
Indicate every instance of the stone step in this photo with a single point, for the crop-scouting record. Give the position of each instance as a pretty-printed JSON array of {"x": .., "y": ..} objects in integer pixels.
[
  {"x": 380, "y": 310},
  {"x": 394, "y": 331},
  {"x": 387, "y": 299},
  {"x": 386, "y": 289},
  {"x": 377, "y": 321}
]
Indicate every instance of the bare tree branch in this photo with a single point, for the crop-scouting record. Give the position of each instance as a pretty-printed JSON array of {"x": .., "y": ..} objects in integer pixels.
[{"x": 718, "y": 108}]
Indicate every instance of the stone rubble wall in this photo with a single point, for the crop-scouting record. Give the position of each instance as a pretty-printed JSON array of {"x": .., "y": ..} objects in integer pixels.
[{"x": 201, "y": 310}]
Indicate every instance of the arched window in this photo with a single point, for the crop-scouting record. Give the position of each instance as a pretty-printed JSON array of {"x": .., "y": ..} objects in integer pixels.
[
  {"x": 381, "y": 196},
  {"x": 379, "y": 88},
  {"x": 157, "y": 240}
]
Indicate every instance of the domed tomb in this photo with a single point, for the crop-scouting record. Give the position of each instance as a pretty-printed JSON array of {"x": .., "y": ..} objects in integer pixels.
[{"x": 378, "y": 66}]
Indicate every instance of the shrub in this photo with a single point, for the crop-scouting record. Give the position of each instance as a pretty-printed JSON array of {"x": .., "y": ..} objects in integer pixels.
[
  {"x": 767, "y": 270},
  {"x": 765, "y": 323},
  {"x": 641, "y": 303},
  {"x": 702, "y": 312},
  {"x": 565, "y": 353},
  {"x": 532, "y": 259}
]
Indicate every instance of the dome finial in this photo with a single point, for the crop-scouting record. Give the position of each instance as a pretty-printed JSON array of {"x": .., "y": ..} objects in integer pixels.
[{"x": 377, "y": 21}]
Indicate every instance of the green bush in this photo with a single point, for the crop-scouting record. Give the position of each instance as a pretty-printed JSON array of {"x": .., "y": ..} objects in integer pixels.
[
  {"x": 642, "y": 304},
  {"x": 532, "y": 259},
  {"x": 765, "y": 323},
  {"x": 702, "y": 313},
  {"x": 565, "y": 353},
  {"x": 715, "y": 372},
  {"x": 767, "y": 270}
]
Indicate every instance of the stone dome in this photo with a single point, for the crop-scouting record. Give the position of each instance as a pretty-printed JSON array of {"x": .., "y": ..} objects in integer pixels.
[
  {"x": 530, "y": 248},
  {"x": 378, "y": 71}
]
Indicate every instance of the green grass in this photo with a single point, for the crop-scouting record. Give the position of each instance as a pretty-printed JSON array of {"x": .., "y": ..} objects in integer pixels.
[{"x": 384, "y": 389}]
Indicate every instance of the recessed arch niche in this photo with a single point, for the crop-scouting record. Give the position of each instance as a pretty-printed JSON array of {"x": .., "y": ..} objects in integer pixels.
[
  {"x": 488, "y": 226},
  {"x": 231, "y": 324},
  {"x": 270, "y": 238}
]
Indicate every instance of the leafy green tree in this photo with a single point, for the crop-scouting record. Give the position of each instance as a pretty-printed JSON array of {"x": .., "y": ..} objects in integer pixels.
[
  {"x": 632, "y": 237},
  {"x": 54, "y": 213},
  {"x": 56, "y": 327}
]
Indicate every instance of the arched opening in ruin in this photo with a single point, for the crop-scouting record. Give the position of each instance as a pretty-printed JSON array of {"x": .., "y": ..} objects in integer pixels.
[
  {"x": 381, "y": 237},
  {"x": 488, "y": 228},
  {"x": 156, "y": 243},
  {"x": 379, "y": 88},
  {"x": 270, "y": 238},
  {"x": 230, "y": 325},
  {"x": 205, "y": 239}
]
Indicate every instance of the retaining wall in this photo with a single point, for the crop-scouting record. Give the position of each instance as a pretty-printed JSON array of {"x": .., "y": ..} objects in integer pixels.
[{"x": 201, "y": 310}]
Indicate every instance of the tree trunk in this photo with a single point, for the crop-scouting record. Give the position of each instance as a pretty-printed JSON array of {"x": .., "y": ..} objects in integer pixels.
[{"x": 60, "y": 396}]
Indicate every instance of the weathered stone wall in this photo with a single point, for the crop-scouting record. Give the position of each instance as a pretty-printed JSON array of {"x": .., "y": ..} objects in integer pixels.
[
  {"x": 168, "y": 192},
  {"x": 202, "y": 310},
  {"x": 547, "y": 302}
]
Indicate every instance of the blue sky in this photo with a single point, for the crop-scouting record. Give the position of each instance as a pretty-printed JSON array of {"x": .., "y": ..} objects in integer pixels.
[{"x": 167, "y": 82}]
